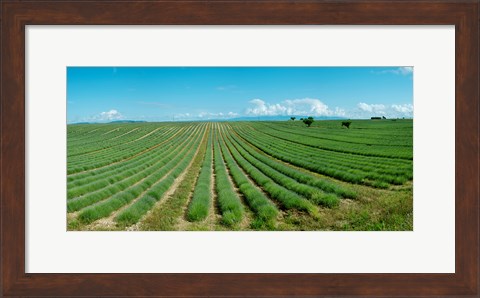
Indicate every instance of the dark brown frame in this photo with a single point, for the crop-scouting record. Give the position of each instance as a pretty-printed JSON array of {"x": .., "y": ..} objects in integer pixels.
[{"x": 16, "y": 15}]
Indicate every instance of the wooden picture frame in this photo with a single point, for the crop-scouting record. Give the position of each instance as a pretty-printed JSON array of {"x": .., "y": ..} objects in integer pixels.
[{"x": 16, "y": 15}]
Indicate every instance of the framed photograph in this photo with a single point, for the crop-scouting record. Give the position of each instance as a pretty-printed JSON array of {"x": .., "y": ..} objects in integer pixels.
[
  {"x": 186, "y": 159},
  {"x": 225, "y": 148}
]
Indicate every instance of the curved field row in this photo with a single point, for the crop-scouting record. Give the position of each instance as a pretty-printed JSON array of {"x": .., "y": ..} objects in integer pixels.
[
  {"x": 109, "y": 161},
  {"x": 228, "y": 200},
  {"x": 101, "y": 144},
  {"x": 288, "y": 199},
  {"x": 84, "y": 162},
  {"x": 90, "y": 175},
  {"x": 85, "y": 141},
  {"x": 201, "y": 197},
  {"x": 171, "y": 214},
  {"x": 148, "y": 198},
  {"x": 101, "y": 194},
  {"x": 265, "y": 211},
  {"x": 115, "y": 167},
  {"x": 365, "y": 149},
  {"x": 381, "y": 162},
  {"x": 300, "y": 176},
  {"x": 310, "y": 193},
  {"x": 401, "y": 138},
  {"x": 117, "y": 178},
  {"x": 360, "y": 171},
  {"x": 95, "y": 150},
  {"x": 246, "y": 176},
  {"x": 150, "y": 189},
  {"x": 332, "y": 158}
]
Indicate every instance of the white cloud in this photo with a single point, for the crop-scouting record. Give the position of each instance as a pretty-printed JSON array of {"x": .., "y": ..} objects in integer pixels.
[
  {"x": 340, "y": 112},
  {"x": 405, "y": 108},
  {"x": 184, "y": 116},
  {"x": 102, "y": 117},
  {"x": 262, "y": 108},
  {"x": 365, "y": 110},
  {"x": 404, "y": 70},
  {"x": 220, "y": 115},
  {"x": 374, "y": 108},
  {"x": 304, "y": 106},
  {"x": 205, "y": 116},
  {"x": 110, "y": 115}
]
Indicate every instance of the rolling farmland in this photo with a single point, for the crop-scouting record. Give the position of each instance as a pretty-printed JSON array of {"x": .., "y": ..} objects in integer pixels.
[{"x": 240, "y": 176}]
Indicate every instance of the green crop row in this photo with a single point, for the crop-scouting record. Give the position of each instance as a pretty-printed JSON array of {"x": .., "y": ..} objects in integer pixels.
[
  {"x": 340, "y": 136},
  {"x": 167, "y": 215},
  {"x": 287, "y": 198},
  {"x": 311, "y": 193},
  {"x": 133, "y": 213},
  {"x": 104, "y": 161},
  {"x": 358, "y": 160},
  {"x": 265, "y": 211},
  {"x": 300, "y": 176},
  {"x": 119, "y": 144},
  {"x": 228, "y": 200},
  {"x": 130, "y": 136},
  {"x": 385, "y": 161},
  {"x": 106, "y": 132},
  {"x": 395, "y": 132},
  {"x": 119, "y": 187},
  {"x": 201, "y": 198},
  {"x": 83, "y": 163},
  {"x": 328, "y": 165},
  {"x": 100, "y": 134},
  {"x": 138, "y": 190},
  {"x": 89, "y": 175},
  {"x": 89, "y": 184},
  {"x": 364, "y": 149},
  {"x": 99, "y": 144}
]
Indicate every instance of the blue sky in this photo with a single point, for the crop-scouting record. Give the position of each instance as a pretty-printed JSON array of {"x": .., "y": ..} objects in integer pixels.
[{"x": 103, "y": 94}]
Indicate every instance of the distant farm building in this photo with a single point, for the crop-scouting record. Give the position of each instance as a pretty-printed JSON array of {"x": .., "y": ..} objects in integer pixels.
[{"x": 376, "y": 118}]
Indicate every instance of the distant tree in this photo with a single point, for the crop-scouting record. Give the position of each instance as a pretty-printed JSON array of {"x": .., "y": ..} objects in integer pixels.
[
  {"x": 346, "y": 123},
  {"x": 301, "y": 119},
  {"x": 308, "y": 121},
  {"x": 383, "y": 117},
  {"x": 292, "y": 118}
]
